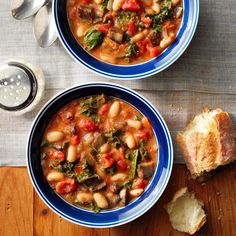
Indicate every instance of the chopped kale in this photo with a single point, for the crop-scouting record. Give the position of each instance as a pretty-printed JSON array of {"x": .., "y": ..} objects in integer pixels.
[
  {"x": 104, "y": 4},
  {"x": 128, "y": 185},
  {"x": 113, "y": 137},
  {"x": 131, "y": 50},
  {"x": 56, "y": 167},
  {"x": 93, "y": 39},
  {"x": 134, "y": 161}
]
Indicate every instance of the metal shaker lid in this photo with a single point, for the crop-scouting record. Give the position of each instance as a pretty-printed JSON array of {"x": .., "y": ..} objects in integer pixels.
[{"x": 18, "y": 86}]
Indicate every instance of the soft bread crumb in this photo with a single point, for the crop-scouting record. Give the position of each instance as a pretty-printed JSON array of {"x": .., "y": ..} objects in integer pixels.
[
  {"x": 208, "y": 141},
  {"x": 185, "y": 212}
]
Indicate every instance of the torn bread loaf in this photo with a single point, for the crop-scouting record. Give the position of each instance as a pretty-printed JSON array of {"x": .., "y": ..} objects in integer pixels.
[
  {"x": 208, "y": 141},
  {"x": 185, "y": 212}
]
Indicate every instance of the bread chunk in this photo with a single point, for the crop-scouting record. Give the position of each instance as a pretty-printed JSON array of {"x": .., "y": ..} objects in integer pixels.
[
  {"x": 185, "y": 212},
  {"x": 208, "y": 141}
]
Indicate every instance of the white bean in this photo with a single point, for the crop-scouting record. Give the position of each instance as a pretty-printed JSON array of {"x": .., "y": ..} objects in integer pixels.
[
  {"x": 130, "y": 141},
  {"x": 135, "y": 192},
  {"x": 135, "y": 124},
  {"x": 55, "y": 176},
  {"x": 98, "y": 1},
  {"x": 175, "y": 2},
  {"x": 117, "y": 5},
  {"x": 54, "y": 136},
  {"x": 118, "y": 177},
  {"x": 100, "y": 200},
  {"x": 71, "y": 153},
  {"x": 167, "y": 41},
  {"x": 114, "y": 109},
  {"x": 81, "y": 30},
  {"x": 139, "y": 36},
  {"x": 179, "y": 12},
  {"x": 156, "y": 7},
  {"x": 88, "y": 138},
  {"x": 84, "y": 197},
  {"x": 105, "y": 148}
]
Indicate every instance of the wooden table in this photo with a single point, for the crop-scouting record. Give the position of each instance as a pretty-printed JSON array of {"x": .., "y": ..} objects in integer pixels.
[{"x": 23, "y": 213}]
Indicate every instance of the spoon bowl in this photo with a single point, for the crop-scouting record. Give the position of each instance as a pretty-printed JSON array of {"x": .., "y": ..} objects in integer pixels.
[
  {"x": 22, "y": 9},
  {"x": 44, "y": 26}
]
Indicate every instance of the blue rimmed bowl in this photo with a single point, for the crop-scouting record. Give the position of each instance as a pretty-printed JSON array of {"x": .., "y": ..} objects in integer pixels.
[
  {"x": 108, "y": 218},
  {"x": 156, "y": 65}
]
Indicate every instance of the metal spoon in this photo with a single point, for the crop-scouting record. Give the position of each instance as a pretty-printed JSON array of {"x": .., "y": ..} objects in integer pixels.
[
  {"x": 21, "y": 9},
  {"x": 44, "y": 26}
]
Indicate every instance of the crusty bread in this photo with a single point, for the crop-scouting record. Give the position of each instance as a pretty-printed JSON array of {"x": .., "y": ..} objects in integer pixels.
[
  {"x": 208, "y": 141},
  {"x": 185, "y": 212}
]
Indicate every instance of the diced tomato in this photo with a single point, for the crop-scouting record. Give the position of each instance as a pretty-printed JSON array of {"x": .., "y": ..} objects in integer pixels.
[
  {"x": 140, "y": 183},
  {"x": 78, "y": 169},
  {"x": 73, "y": 13},
  {"x": 131, "y": 28},
  {"x": 142, "y": 134},
  {"x": 168, "y": 25},
  {"x": 57, "y": 155},
  {"x": 107, "y": 160},
  {"x": 142, "y": 46},
  {"x": 122, "y": 165},
  {"x": 147, "y": 21},
  {"x": 75, "y": 140},
  {"x": 155, "y": 51},
  {"x": 66, "y": 186},
  {"x": 131, "y": 5},
  {"x": 67, "y": 116},
  {"x": 88, "y": 125},
  {"x": 103, "y": 110},
  {"x": 85, "y": 1},
  {"x": 103, "y": 28}
]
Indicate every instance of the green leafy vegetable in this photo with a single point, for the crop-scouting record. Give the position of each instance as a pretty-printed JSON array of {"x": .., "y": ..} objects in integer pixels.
[
  {"x": 93, "y": 39},
  {"x": 56, "y": 167},
  {"x": 104, "y": 4},
  {"x": 82, "y": 177},
  {"x": 134, "y": 161},
  {"x": 137, "y": 117},
  {"x": 113, "y": 138},
  {"x": 157, "y": 28},
  {"x": 91, "y": 105},
  {"x": 142, "y": 150},
  {"x": 131, "y": 50},
  {"x": 126, "y": 16},
  {"x": 128, "y": 185}
]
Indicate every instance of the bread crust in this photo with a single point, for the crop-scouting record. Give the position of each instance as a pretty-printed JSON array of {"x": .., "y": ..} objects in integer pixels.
[{"x": 205, "y": 151}]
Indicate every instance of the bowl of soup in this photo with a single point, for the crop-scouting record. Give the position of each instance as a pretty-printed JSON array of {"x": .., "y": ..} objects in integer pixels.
[
  {"x": 125, "y": 39},
  {"x": 99, "y": 155}
]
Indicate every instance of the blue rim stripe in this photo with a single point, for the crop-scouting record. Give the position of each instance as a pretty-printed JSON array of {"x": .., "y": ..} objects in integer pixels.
[
  {"x": 160, "y": 190},
  {"x": 191, "y": 9}
]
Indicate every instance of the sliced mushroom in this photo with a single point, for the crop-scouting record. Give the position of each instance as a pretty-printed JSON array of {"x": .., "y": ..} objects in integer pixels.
[{"x": 145, "y": 169}]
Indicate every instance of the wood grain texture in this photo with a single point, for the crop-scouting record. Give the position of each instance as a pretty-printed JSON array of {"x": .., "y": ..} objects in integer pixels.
[
  {"x": 22, "y": 212},
  {"x": 16, "y": 198}
]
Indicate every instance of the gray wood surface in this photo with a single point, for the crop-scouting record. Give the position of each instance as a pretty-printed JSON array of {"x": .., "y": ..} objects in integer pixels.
[{"x": 203, "y": 76}]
